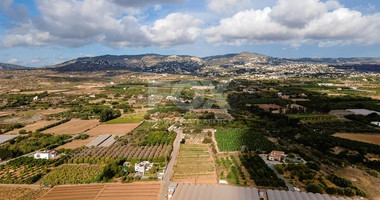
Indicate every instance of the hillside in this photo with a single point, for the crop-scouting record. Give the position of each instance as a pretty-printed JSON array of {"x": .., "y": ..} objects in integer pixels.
[
  {"x": 142, "y": 63},
  {"x": 5, "y": 66},
  {"x": 180, "y": 64}
]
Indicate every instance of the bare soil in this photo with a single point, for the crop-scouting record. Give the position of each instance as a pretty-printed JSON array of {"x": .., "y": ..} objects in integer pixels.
[
  {"x": 112, "y": 129},
  {"x": 33, "y": 127},
  {"x": 369, "y": 138},
  {"x": 129, "y": 191},
  {"x": 76, "y": 143},
  {"x": 21, "y": 192},
  {"x": 74, "y": 126}
]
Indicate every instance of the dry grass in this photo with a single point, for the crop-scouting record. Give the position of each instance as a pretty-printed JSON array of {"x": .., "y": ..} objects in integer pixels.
[
  {"x": 76, "y": 143},
  {"x": 369, "y": 184},
  {"x": 20, "y": 192},
  {"x": 74, "y": 126},
  {"x": 369, "y": 138},
  {"x": 112, "y": 129},
  {"x": 33, "y": 127},
  {"x": 195, "y": 165}
]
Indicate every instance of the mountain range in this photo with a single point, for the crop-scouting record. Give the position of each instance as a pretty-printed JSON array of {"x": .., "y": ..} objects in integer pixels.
[{"x": 182, "y": 64}]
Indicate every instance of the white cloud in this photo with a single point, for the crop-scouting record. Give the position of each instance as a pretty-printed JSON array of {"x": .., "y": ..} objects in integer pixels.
[
  {"x": 76, "y": 23},
  {"x": 251, "y": 25},
  {"x": 175, "y": 29},
  {"x": 142, "y": 3},
  {"x": 297, "y": 13},
  {"x": 296, "y": 22},
  {"x": 228, "y": 6},
  {"x": 12, "y": 61}
]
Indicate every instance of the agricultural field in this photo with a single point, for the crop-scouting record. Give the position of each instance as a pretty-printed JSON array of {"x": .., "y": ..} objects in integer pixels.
[
  {"x": 130, "y": 191},
  {"x": 128, "y": 118},
  {"x": 73, "y": 174},
  {"x": 155, "y": 153},
  {"x": 312, "y": 118},
  {"x": 21, "y": 192},
  {"x": 33, "y": 127},
  {"x": 112, "y": 129},
  {"x": 76, "y": 143},
  {"x": 229, "y": 168},
  {"x": 195, "y": 165},
  {"x": 73, "y": 127},
  {"x": 239, "y": 140},
  {"x": 24, "y": 170},
  {"x": 368, "y": 138}
]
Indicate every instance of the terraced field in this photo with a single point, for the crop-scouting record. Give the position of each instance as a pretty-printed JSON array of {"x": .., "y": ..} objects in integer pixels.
[{"x": 195, "y": 165}]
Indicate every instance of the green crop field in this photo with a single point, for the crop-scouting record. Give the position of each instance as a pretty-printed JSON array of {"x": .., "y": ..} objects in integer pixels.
[
  {"x": 128, "y": 118},
  {"x": 73, "y": 174},
  {"x": 235, "y": 139}
]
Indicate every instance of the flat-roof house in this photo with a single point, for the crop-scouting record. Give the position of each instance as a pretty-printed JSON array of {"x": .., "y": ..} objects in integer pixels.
[
  {"x": 143, "y": 166},
  {"x": 276, "y": 156},
  {"x": 45, "y": 155}
]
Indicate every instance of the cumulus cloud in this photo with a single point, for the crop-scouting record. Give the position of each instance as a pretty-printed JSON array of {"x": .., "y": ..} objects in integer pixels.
[
  {"x": 175, "y": 29},
  {"x": 255, "y": 25},
  {"x": 75, "y": 23},
  {"x": 141, "y": 3},
  {"x": 298, "y": 21},
  {"x": 17, "y": 11},
  {"x": 228, "y": 6}
]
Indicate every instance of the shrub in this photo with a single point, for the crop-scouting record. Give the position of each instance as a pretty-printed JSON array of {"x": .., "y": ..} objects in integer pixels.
[{"x": 315, "y": 188}]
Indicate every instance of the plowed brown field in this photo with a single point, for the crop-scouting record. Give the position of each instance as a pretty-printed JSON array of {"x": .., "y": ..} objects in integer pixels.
[
  {"x": 75, "y": 126},
  {"x": 368, "y": 138},
  {"x": 112, "y": 129},
  {"x": 117, "y": 191}
]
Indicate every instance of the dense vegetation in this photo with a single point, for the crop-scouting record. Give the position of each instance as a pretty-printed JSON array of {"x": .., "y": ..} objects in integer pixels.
[
  {"x": 26, "y": 144},
  {"x": 346, "y": 187},
  {"x": 260, "y": 172},
  {"x": 159, "y": 138},
  {"x": 73, "y": 174},
  {"x": 242, "y": 140},
  {"x": 103, "y": 154},
  {"x": 26, "y": 170}
]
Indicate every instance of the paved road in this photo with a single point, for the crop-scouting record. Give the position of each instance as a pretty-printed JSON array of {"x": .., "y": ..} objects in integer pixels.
[{"x": 169, "y": 168}]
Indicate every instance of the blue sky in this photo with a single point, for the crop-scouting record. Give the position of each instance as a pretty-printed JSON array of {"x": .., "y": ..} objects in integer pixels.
[{"x": 45, "y": 32}]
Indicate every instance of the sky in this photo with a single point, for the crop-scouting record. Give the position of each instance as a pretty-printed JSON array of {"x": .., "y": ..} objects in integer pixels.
[{"x": 38, "y": 33}]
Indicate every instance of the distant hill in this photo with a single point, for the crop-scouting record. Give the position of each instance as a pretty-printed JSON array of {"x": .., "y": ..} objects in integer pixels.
[
  {"x": 144, "y": 63},
  {"x": 345, "y": 61},
  {"x": 182, "y": 64},
  {"x": 5, "y": 66}
]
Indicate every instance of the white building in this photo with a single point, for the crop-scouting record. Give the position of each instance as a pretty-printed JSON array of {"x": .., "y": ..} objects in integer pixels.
[
  {"x": 45, "y": 155},
  {"x": 35, "y": 98},
  {"x": 143, "y": 166},
  {"x": 375, "y": 123},
  {"x": 171, "y": 98}
]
